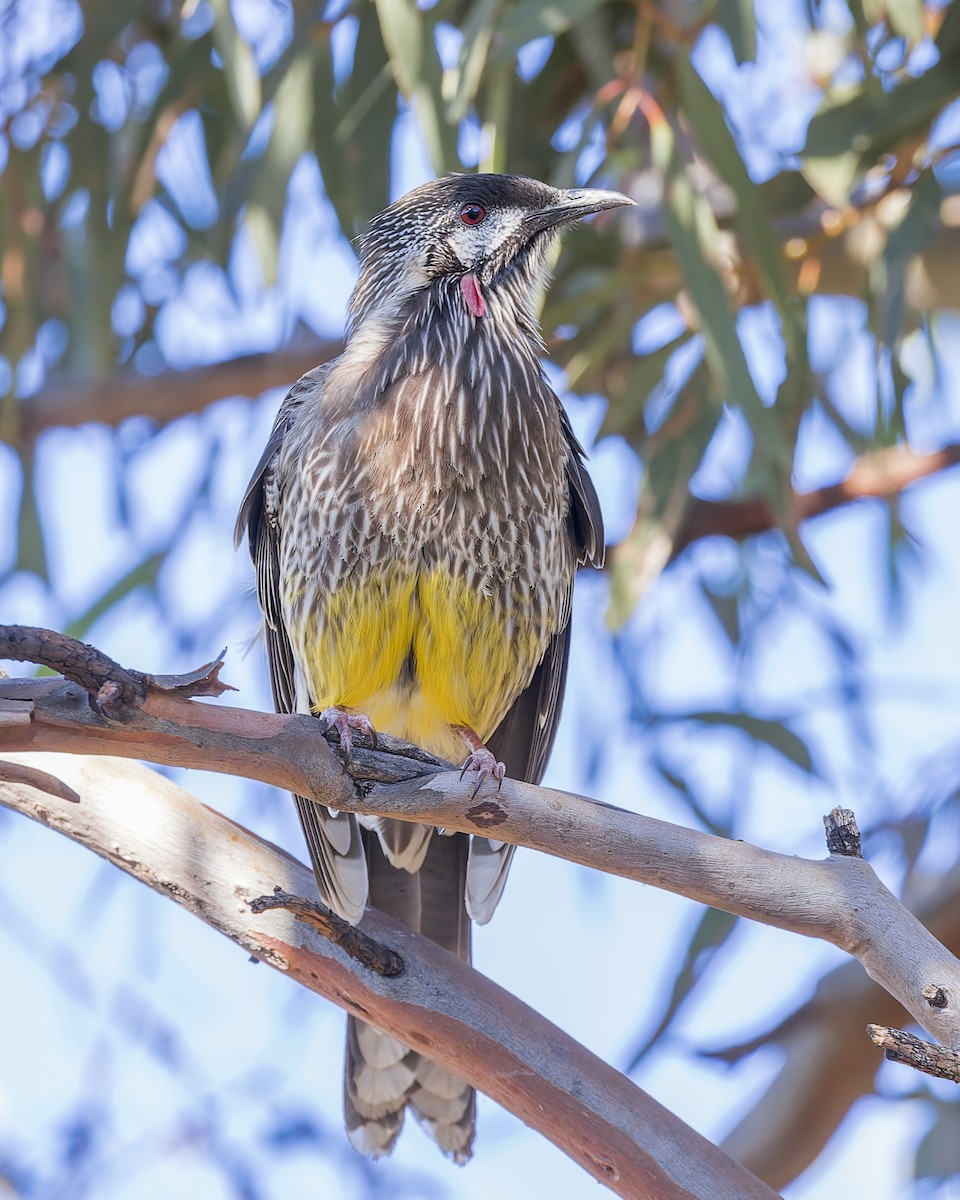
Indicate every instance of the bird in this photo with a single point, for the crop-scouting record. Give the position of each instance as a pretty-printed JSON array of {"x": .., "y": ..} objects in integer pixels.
[{"x": 415, "y": 522}]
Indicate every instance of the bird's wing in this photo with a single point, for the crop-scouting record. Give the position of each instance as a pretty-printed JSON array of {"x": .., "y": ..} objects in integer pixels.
[
  {"x": 334, "y": 841},
  {"x": 524, "y": 738},
  {"x": 586, "y": 520}
]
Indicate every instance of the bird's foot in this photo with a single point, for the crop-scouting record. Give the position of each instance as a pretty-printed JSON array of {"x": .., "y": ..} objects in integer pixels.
[
  {"x": 480, "y": 759},
  {"x": 344, "y": 722}
]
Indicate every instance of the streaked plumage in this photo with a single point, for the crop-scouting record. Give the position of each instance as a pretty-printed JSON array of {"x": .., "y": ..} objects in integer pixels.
[{"x": 416, "y": 522}]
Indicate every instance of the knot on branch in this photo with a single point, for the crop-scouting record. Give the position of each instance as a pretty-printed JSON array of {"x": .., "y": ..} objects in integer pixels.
[{"x": 935, "y": 996}]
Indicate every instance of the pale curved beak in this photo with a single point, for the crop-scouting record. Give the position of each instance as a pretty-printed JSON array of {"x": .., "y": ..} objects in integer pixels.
[{"x": 575, "y": 203}]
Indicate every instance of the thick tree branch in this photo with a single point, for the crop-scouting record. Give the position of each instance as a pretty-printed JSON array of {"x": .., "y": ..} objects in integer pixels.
[
  {"x": 157, "y": 832},
  {"x": 839, "y": 899}
]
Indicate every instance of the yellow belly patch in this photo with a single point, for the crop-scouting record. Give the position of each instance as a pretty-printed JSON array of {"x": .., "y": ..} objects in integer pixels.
[{"x": 419, "y": 653}]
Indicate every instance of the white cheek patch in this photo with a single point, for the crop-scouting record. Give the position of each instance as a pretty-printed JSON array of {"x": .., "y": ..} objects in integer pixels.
[{"x": 470, "y": 243}]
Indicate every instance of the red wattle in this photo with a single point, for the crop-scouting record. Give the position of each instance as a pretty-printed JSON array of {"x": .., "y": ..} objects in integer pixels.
[{"x": 470, "y": 287}]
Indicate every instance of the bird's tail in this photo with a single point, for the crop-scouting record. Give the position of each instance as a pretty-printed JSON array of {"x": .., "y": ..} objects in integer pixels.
[{"x": 382, "y": 1077}]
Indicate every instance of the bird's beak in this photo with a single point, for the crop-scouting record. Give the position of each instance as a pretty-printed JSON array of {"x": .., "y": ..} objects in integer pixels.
[{"x": 575, "y": 203}]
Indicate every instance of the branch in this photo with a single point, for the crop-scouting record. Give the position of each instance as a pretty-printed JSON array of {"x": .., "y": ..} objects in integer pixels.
[
  {"x": 838, "y": 899},
  {"x": 902, "y": 1047},
  {"x": 110, "y": 399},
  {"x": 880, "y": 475},
  {"x": 154, "y": 830},
  {"x": 827, "y": 1062}
]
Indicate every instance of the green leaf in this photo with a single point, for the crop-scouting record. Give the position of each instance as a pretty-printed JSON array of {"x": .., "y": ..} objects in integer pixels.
[
  {"x": 725, "y": 606},
  {"x": 774, "y": 734},
  {"x": 836, "y": 143},
  {"x": 717, "y": 143},
  {"x": 905, "y": 17},
  {"x": 353, "y": 126},
  {"x": 334, "y": 167},
  {"x": 497, "y": 120},
  {"x": 857, "y": 124},
  {"x": 260, "y": 184},
  {"x": 460, "y": 84},
  {"x": 262, "y": 229},
  {"x": 938, "y": 1155},
  {"x": 694, "y": 233},
  {"x": 718, "y": 827},
  {"x": 31, "y": 547},
  {"x": 947, "y": 40},
  {"x": 712, "y": 931},
  {"x": 144, "y": 574},
  {"x": 408, "y": 34},
  {"x": 530, "y": 19},
  {"x": 738, "y": 19},
  {"x": 625, "y": 413},
  {"x": 289, "y": 139},
  {"x": 185, "y": 66},
  {"x": 369, "y": 107},
  {"x": 673, "y": 454},
  {"x": 916, "y": 227},
  {"x": 239, "y": 65}
]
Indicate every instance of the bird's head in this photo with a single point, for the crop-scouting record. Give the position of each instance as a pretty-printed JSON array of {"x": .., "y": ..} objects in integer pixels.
[{"x": 481, "y": 234}]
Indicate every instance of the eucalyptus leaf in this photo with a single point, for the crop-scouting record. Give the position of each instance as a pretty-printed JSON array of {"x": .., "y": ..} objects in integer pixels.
[
  {"x": 31, "y": 544},
  {"x": 738, "y": 20},
  {"x": 530, "y": 19},
  {"x": 859, "y": 122},
  {"x": 625, "y": 413},
  {"x": 239, "y": 65},
  {"x": 768, "y": 732},
  {"x": 710, "y": 934},
  {"x": 408, "y": 34},
  {"x": 460, "y": 85},
  {"x": 753, "y": 220},
  {"x": 906, "y": 18},
  {"x": 938, "y": 1155},
  {"x": 142, "y": 574},
  {"x": 694, "y": 233}
]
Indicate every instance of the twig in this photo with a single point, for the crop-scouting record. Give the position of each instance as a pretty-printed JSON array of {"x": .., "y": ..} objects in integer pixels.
[
  {"x": 365, "y": 950},
  {"x": 843, "y": 833},
  {"x": 113, "y": 690},
  {"x": 110, "y": 687},
  {"x": 899, "y": 1046},
  {"x": 11, "y": 772}
]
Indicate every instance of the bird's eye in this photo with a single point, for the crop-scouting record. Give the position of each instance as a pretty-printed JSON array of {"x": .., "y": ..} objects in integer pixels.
[{"x": 472, "y": 213}]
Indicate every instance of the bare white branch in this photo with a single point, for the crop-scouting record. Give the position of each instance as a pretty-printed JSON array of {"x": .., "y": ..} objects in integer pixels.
[
  {"x": 157, "y": 832},
  {"x": 839, "y": 899}
]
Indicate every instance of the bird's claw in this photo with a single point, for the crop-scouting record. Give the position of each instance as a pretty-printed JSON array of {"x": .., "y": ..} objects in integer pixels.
[
  {"x": 487, "y": 767},
  {"x": 345, "y": 723}
]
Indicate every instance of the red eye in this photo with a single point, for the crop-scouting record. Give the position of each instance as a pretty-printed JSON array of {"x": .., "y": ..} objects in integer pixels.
[{"x": 472, "y": 213}]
